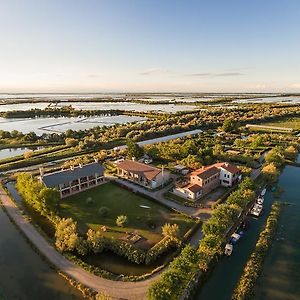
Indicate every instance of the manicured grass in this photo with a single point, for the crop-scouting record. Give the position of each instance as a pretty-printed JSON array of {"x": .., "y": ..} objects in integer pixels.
[{"x": 121, "y": 202}]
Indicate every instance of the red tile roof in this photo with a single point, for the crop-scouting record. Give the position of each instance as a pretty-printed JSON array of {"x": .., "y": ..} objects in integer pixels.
[
  {"x": 141, "y": 169},
  {"x": 206, "y": 172},
  {"x": 228, "y": 167},
  {"x": 194, "y": 188}
]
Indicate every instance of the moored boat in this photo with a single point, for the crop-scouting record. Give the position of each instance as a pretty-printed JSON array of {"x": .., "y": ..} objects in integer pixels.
[{"x": 228, "y": 249}]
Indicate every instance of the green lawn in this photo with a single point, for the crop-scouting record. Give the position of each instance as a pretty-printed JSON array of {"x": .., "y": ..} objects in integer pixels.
[
  {"x": 293, "y": 123},
  {"x": 121, "y": 202}
]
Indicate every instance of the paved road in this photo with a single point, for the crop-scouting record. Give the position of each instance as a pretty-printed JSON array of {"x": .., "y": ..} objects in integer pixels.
[{"x": 116, "y": 289}]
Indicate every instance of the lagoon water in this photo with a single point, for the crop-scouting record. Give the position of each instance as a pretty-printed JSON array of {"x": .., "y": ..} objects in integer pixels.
[
  {"x": 61, "y": 124},
  {"x": 24, "y": 275},
  {"x": 281, "y": 271},
  {"x": 129, "y": 106},
  {"x": 11, "y": 152}
]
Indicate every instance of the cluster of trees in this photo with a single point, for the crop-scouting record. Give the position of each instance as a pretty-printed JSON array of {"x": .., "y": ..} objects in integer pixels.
[
  {"x": 172, "y": 283},
  {"x": 274, "y": 159},
  {"x": 68, "y": 240},
  {"x": 42, "y": 199},
  {"x": 245, "y": 286},
  {"x": 191, "y": 152}
]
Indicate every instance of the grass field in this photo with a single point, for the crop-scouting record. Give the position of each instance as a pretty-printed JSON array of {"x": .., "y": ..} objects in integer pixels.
[
  {"x": 293, "y": 123},
  {"x": 84, "y": 209}
]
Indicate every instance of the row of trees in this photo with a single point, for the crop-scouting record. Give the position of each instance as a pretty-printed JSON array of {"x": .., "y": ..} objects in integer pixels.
[
  {"x": 42, "y": 199},
  {"x": 184, "y": 268}
]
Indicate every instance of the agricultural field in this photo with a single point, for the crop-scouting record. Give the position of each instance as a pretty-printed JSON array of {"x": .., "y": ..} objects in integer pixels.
[
  {"x": 293, "y": 123},
  {"x": 147, "y": 222}
]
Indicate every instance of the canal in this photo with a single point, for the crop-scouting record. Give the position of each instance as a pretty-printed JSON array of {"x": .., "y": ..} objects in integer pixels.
[
  {"x": 281, "y": 273},
  {"x": 280, "y": 278},
  {"x": 24, "y": 275}
]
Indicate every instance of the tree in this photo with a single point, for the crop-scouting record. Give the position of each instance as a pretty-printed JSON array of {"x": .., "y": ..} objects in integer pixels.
[
  {"x": 103, "y": 211},
  {"x": 274, "y": 156},
  {"x": 170, "y": 230},
  {"x": 27, "y": 154},
  {"x": 66, "y": 235},
  {"x": 230, "y": 125},
  {"x": 270, "y": 172},
  {"x": 290, "y": 152},
  {"x": 95, "y": 240},
  {"x": 121, "y": 221},
  {"x": 133, "y": 149},
  {"x": 103, "y": 296},
  {"x": 70, "y": 142}
]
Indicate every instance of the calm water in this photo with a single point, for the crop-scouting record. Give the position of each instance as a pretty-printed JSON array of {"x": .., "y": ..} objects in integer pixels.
[
  {"x": 24, "y": 275},
  {"x": 228, "y": 271},
  {"x": 170, "y": 108},
  {"x": 280, "y": 278},
  {"x": 293, "y": 99},
  {"x": 62, "y": 124},
  {"x": 11, "y": 152}
]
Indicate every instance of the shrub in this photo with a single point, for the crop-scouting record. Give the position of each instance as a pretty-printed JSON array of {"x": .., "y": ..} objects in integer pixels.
[
  {"x": 169, "y": 230},
  {"x": 103, "y": 211},
  {"x": 66, "y": 235},
  {"x": 121, "y": 221},
  {"x": 89, "y": 200}
]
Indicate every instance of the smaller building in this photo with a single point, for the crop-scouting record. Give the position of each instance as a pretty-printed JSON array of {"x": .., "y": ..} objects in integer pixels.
[
  {"x": 202, "y": 181},
  {"x": 142, "y": 174},
  {"x": 183, "y": 170},
  {"x": 75, "y": 179}
]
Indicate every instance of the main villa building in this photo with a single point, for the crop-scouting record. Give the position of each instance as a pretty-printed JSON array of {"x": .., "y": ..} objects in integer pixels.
[{"x": 202, "y": 181}]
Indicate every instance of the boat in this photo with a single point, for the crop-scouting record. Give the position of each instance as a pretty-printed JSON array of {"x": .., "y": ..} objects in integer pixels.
[
  {"x": 145, "y": 206},
  {"x": 260, "y": 200},
  {"x": 263, "y": 192},
  {"x": 256, "y": 210},
  {"x": 228, "y": 249},
  {"x": 234, "y": 238}
]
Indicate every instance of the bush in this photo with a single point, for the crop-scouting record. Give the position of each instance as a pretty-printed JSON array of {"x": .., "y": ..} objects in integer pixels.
[
  {"x": 121, "y": 221},
  {"x": 169, "y": 230},
  {"x": 103, "y": 211},
  {"x": 89, "y": 200}
]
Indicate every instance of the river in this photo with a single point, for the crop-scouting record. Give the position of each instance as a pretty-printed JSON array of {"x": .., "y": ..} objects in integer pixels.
[
  {"x": 24, "y": 275},
  {"x": 281, "y": 272}
]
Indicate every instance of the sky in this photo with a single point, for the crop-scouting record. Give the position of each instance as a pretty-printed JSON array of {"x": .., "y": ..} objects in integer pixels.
[{"x": 149, "y": 46}]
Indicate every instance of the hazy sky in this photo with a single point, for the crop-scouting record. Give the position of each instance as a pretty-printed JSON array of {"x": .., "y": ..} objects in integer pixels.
[{"x": 153, "y": 45}]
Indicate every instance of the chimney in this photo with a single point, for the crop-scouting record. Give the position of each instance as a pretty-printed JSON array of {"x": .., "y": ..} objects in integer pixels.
[{"x": 41, "y": 172}]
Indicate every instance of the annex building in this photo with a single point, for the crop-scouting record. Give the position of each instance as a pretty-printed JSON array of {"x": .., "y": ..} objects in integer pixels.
[{"x": 75, "y": 179}]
